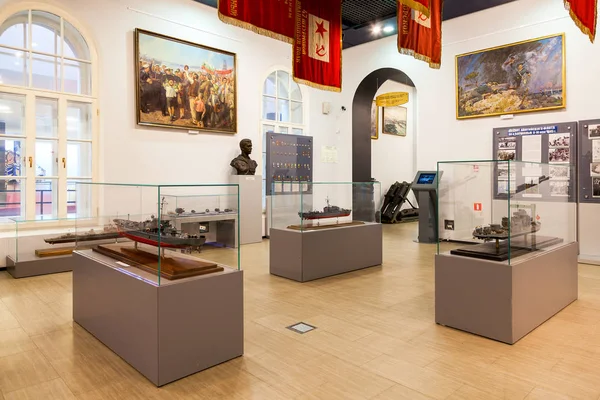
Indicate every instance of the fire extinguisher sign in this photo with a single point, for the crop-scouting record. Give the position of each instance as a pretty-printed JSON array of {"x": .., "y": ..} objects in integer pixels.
[{"x": 477, "y": 207}]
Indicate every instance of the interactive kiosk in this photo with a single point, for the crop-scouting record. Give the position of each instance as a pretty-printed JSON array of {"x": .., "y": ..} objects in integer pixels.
[{"x": 425, "y": 189}]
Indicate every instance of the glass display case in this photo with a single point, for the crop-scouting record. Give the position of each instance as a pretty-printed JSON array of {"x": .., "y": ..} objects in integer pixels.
[
  {"x": 326, "y": 205},
  {"x": 164, "y": 232},
  {"x": 503, "y": 210}
]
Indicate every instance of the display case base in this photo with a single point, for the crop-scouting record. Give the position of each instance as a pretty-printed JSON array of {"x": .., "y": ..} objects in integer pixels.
[
  {"x": 519, "y": 246},
  {"x": 306, "y": 256},
  {"x": 34, "y": 266},
  {"x": 165, "y": 332},
  {"x": 500, "y": 301}
]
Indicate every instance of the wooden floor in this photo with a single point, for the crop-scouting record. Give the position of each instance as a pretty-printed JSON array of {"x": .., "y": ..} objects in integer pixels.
[{"x": 376, "y": 339}]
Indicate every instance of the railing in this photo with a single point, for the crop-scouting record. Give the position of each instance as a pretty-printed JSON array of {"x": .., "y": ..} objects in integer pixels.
[{"x": 8, "y": 208}]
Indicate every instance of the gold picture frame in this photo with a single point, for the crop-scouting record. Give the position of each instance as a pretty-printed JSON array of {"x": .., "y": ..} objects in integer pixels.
[
  {"x": 166, "y": 70},
  {"x": 526, "y": 76},
  {"x": 374, "y": 121}
]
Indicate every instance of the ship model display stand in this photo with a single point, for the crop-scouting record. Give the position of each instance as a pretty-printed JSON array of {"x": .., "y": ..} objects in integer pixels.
[
  {"x": 190, "y": 321},
  {"x": 43, "y": 254},
  {"x": 314, "y": 250}
]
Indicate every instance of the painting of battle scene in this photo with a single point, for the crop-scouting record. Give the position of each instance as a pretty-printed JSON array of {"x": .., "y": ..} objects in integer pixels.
[
  {"x": 521, "y": 77},
  {"x": 184, "y": 85}
]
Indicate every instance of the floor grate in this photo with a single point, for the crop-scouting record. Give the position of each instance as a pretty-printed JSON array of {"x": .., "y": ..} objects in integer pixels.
[{"x": 301, "y": 327}]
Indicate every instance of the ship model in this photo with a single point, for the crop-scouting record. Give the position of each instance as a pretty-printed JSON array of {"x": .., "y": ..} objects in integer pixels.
[
  {"x": 520, "y": 224},
  {"x": 161, "y": 234},
  {"x": 329, "y": 211},
  {"x": 109, "y": 232}
]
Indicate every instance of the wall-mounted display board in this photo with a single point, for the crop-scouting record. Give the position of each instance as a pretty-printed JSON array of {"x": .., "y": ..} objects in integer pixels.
[
  {"x": 555, "y": 144},
  {"x": 289, "y": 163},
  {"x": 589, "y": 191}
]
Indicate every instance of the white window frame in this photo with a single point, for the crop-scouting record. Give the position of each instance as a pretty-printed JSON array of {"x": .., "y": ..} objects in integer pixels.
[{"x": 63, "y": 98}]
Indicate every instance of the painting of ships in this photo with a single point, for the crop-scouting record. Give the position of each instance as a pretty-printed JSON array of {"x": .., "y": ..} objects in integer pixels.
[
  {"x": 161, "y": 234},
  {"x": 109, "y": 232},
  {"x": 329, "y": 211},
  {"x": 520, "y": 224}
]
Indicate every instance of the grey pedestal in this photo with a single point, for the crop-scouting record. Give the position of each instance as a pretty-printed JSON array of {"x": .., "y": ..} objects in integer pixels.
[
  {"x": 28, "y": 266},
  {"x": 500, "y": 301},
  {"x": 250, "y": 191},
  {"x": 309, "y": 255},
  {"x": 166, "y": 332}
]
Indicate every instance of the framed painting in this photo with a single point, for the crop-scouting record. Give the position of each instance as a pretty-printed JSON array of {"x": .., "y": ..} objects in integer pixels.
[
  {"x": 520, "y": 77},
  {"x": 394, "y": 120},
  {"x": 374, "y": 121},
  {"x": 183, "y": 85}
]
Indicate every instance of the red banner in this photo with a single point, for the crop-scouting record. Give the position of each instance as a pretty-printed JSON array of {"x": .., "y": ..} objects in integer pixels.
[
  {"x": 584, "y": 13},
  {"x": 421, "y": 36},
  {"x": 318, "y": 44},
  {"x": 419, "y": 5},
  {"x": 272, "y": 18}
]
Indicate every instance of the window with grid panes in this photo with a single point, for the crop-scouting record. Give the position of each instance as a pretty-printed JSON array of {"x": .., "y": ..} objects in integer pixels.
[
  {"x": 47, "y": 116},
  {"x": 282, "y": 112}
]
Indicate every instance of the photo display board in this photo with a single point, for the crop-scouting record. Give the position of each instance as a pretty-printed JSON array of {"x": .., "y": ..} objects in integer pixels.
[
  {"x": 589, "y": 161},
  {"x": 290, "y": 161},
  {"x": 555, "y": 144}
]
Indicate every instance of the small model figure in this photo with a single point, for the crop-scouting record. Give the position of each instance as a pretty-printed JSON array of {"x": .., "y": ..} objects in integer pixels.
[{"x": 243, "y": 164}]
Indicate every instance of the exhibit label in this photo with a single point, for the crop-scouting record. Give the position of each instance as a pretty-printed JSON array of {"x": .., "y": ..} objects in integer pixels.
[
  {"x": 391, "y": 99},
  {"x": 539, "y": 130}
]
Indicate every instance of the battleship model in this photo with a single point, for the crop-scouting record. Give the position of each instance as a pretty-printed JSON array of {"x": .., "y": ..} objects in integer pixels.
[
  {"x": 109, "y": 232},
  {"x": 520, "y": 224},
  {"x": 329, "y": 211},
  {"x": 161, "y": 234}
]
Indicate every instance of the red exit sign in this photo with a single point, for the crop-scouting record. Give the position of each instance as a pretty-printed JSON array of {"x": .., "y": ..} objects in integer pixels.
[{"x": 477, "y": 207}]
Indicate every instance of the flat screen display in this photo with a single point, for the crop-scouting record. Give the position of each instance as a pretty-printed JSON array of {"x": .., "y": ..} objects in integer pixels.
[{"x": 426, "y": 179}]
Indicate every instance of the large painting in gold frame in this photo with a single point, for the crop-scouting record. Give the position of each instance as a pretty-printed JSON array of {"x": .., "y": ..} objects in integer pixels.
[
  {"x": 515, "y": 78},
  {"x": 184, "y": 85}
]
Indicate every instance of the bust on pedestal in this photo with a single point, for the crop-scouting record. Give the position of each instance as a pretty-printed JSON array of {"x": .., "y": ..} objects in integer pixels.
[
  {"x": 243, "y": 164},
  {"x": 250, "y": 187}
]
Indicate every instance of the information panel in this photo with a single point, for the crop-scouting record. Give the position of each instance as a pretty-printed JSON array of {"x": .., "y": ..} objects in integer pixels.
[{"x": 289, "y": 163}]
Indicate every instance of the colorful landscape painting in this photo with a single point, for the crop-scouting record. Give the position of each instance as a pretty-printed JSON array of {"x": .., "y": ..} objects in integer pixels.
[{"x": 520, "y": 77}]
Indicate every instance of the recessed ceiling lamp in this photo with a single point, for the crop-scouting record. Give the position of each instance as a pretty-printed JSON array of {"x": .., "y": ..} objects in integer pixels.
[
  {"x": 388, "y": 29},
  {"x": 376, "y": 29}
]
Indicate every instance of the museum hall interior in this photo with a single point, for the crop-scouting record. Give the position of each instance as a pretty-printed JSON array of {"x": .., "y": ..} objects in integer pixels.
[{"x": 299, "y": 199}]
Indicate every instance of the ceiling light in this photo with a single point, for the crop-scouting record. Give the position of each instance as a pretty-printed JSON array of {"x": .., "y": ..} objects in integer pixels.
[
  {"x": 376, "y": 29},
  {"x": 388, "y": 29}
]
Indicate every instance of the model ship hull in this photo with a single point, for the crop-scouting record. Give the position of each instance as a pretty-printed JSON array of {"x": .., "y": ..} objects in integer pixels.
[
  {"x": 321, "y": 215},
  {"x": 164, "y": 241},
  {"x": 82, "y": 238},
  {"x": 505, "y": 234}
]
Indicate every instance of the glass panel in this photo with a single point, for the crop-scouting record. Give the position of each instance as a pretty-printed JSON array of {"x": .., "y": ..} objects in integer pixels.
[
  {"x": 12, "y": 199},
  {"x": 269, "y": 87},
  {"x": 75, "y": 44},
  {"x": 12, "y": 114},
  {"x": 296, "y": 93},
  {"x": 45, "y": 72},
  {"x": 283, "y": 108},
  {"x": 283, "y": 85},
  {"x": 13, "y": 31},
  {"x": 284, "y": 129},
  {"x": 79, "y": 198},
  {"x": 79, "y": 159},
  {"x": 13, "y": 67},
  {"x": 46, "y": 198},
  {"x": 46, "y": 157},
  {"x": 45, "y": 32},
  {"x": 77, "y": 77},
  {"x": 297, "y": 117},
  {"x": 46, "y": 118},
  {"x": 269, "y": 108},
  {"x": 13, "y": 153},
  {"x": 297, "y": 131},
  {"x": 79, "y": 120}
]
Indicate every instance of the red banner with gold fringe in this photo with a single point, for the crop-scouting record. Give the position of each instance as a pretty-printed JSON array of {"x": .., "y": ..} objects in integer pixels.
[
  {"x": 584, "y": 13},
  {"x": 421, "y": 36},
  {"x": 318, "y": 44},
  {"x": 272, "y": 18},
  {"x": 418, "y": 5}
]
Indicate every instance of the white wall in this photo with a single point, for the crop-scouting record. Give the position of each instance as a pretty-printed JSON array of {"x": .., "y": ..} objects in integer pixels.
[{"x": 392, "y": 157}]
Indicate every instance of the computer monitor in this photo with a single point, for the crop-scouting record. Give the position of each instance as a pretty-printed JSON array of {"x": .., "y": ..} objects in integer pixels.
[{"x": 425, "y": 180}]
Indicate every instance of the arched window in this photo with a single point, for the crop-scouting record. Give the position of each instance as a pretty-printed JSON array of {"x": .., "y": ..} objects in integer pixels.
[
  {"x": 47, "y": 115},
  {"x": 282, "y": 110}
]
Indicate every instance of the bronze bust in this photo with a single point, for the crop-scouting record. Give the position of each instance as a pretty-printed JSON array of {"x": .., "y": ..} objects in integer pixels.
[{"x": 243, "y": 164}]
